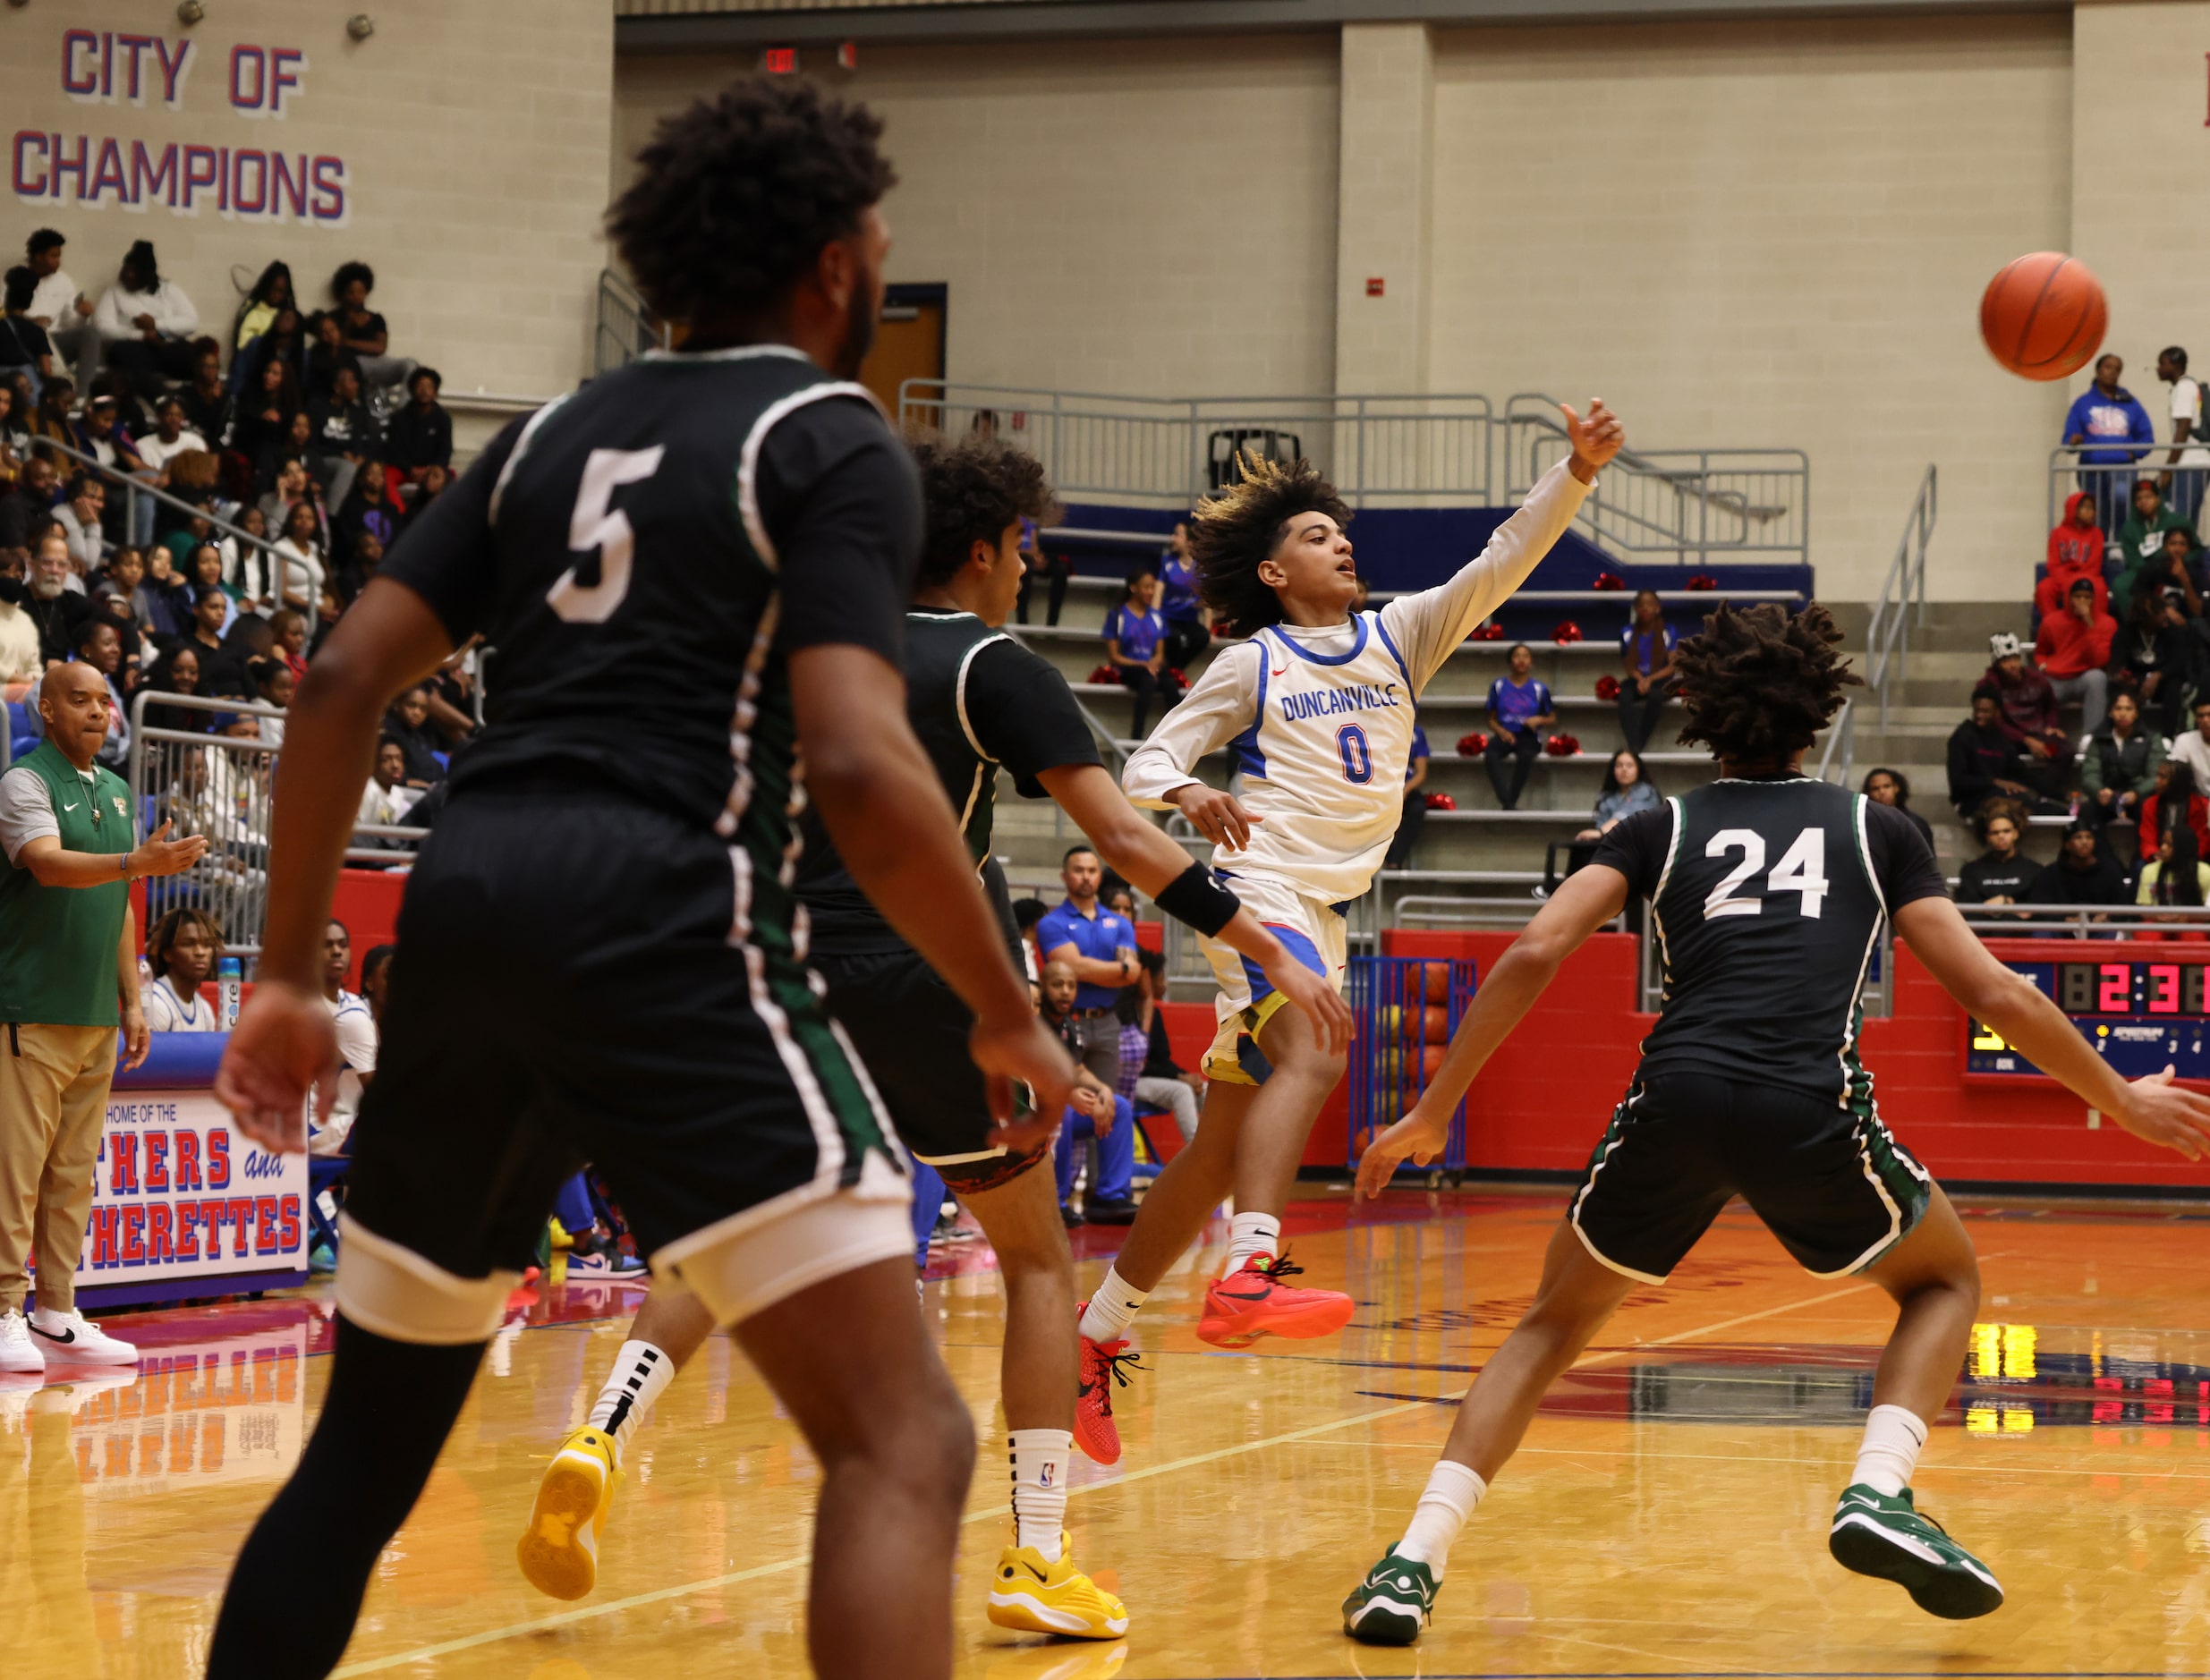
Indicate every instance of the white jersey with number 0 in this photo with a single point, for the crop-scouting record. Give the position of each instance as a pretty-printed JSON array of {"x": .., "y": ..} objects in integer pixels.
[{"x": 1320, "y": 721}]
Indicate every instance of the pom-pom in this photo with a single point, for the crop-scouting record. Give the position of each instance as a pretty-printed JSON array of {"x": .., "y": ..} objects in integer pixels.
[
  {"x": 1701, "y": 580},
  {"x": 1106, "y": 673},
  {"x": 1562, "y": 747},
  {"x": 1607, "y": 687},
  {"x": 1473, "y": 745},
  {"x": 1441, "y": 802},
  {"x": 1488, "y": 630},
  {"x": 1567, "y": 632},
  {"x": 1608, "y": 581}
]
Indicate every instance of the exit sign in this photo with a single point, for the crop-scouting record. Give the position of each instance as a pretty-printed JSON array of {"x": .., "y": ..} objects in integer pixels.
[{"x": 780, "y": 60}]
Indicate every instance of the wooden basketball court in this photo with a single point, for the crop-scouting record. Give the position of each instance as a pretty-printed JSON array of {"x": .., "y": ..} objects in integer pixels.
[{"x": 1668, "y": 1516}]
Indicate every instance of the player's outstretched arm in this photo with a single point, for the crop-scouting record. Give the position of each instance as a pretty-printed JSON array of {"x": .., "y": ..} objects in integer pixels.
[
  {"x": 1429, "y": 625},
  {"x": 886, "y": 813},
  {"x": 2154, "y": 1108},
  {"x": 1589, "y": 897},
  {"x": 284, "y": 1045},
  {"x": 1150, "y": 862}
]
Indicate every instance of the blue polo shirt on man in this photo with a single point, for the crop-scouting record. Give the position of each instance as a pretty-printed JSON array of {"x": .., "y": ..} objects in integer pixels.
[{"x": 1102, "y": 937}]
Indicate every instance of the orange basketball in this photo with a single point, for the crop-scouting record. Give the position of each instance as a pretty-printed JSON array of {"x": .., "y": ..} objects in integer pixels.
[
  {"x": 1435, "y": 1024},
  {"x": 2043, "y": 316},
  {"x": 1431, "y": 1063}
]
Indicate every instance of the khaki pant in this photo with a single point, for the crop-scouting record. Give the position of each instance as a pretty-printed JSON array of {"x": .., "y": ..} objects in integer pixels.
[{"x": 53, "y": 1086}]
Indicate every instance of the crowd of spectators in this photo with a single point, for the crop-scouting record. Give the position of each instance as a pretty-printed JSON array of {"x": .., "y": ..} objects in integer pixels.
[
  {"x": 296, "y": 426},
  {"x": 2120, "y": 632}
]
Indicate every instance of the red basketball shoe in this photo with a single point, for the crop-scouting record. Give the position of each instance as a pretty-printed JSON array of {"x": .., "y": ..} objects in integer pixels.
[
  {"x": 1253, "y": 1302},
  {"x": 1103, "y": 1364}
]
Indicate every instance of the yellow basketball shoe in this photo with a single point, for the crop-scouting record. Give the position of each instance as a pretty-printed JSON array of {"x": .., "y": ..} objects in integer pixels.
[
  {"x": 1040, "y": 1597},
  {"x": 559, "y": 1550}
]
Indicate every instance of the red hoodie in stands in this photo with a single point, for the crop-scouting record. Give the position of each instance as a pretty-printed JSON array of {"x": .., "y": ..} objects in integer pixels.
[
  {"x": 2066, "y": 647},
  {"x": 2075, "y": 551}
]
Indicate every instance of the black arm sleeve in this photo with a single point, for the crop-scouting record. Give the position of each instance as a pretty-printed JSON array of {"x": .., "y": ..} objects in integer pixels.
[
  {"x": 841, "y": 501},
  {"x": 1024, "y": 715},
  {"x": 444, "y": 554},
  {"x": 1637, "y": 849},
  {"x": 1902, "y": 862}
]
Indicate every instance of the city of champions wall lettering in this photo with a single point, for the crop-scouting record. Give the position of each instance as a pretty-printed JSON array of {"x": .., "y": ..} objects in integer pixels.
[{"x": 85, "y": 169}]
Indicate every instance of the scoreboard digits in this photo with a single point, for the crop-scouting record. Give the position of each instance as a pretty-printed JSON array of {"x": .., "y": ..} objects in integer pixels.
[
  {"x": 2130, "y": 988},
  {"x": 2140, "y": 1016}
]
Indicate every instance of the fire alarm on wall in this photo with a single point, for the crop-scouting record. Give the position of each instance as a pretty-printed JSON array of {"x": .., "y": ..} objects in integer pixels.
[
  {"x": 847, "y": 56},
  {"x": 1375, "y": 285}
]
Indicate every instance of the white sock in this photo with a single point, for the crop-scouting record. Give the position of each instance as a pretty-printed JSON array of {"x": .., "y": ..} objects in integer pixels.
[
  {"x": 1889, "y": 1452},
  {"x": 640, "y": 1370},
  {"x": 1453, "y": 1490},
  {"x": 49, "y": 1319},
  {"x": 1252, "y": 1236},
  {"x": 1113, "y": 1309},
  {"x": 1040, "y": 1487}
]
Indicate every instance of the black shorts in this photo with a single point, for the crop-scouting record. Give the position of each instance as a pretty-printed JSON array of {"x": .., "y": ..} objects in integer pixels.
[
  {"x": 592, "y": 979},
  {"x": 911, "y": 1030},
  {"x": 1828, "y": 1181}
]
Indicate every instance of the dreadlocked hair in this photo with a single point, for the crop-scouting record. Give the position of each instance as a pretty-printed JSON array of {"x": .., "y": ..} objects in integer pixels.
[
  {"x": 1234, "y": 531},
  {"x": 971, "y": 490},
  {"x": 1760, "y": 684}
]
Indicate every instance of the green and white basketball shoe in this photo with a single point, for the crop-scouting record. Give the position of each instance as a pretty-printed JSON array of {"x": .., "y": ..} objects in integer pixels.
[{"x": 1889, "y": 1540}]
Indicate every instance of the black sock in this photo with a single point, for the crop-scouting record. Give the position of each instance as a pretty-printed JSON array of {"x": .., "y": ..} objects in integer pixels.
[{"x": 296, "y": 1590}]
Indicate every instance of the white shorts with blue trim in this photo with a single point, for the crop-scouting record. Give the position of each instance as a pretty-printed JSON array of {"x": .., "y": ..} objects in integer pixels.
[{"x": 1313, "y": 930}]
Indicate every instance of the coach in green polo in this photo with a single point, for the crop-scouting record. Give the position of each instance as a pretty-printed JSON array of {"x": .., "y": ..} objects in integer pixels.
[{"x": 68, "y": 983}]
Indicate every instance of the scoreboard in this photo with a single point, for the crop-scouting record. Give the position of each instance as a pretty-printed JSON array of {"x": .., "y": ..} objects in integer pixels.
[{"x": 2142, "y": 1015}]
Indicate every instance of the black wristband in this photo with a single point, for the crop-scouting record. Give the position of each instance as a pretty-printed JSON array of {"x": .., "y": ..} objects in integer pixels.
[{"x": 1195, "y": 898}]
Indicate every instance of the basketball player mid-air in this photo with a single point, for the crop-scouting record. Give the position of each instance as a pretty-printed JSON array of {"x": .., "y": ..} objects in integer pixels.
[
  {"x": 1767, "y": 889},
  {"x": 1316, "y": 711},
  {"x": 979, "y": 702},
  {"x": 692, "y": 570}
]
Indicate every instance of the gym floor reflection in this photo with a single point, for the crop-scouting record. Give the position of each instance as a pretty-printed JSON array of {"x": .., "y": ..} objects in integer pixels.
[{"x": 1667, "y": 1515}]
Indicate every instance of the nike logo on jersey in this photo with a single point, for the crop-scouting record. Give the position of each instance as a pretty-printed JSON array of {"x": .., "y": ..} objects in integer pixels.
[
  {"x": 1279, "y": 669},
  {"x": 69, "y": 808}
]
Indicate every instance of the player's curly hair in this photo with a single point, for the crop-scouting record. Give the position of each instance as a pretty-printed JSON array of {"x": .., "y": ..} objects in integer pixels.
[
  {"x": 1760, "y": 683},
  {"x": 735, "y": 196},
  {"x": 970, "y": 492},
  {"x": 1230, "y": 533}
]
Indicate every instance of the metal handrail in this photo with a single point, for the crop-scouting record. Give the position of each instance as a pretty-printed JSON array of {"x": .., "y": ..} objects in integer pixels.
[
  {"x": 1706, "y": 506},
  {"x": 624, "y": 328},
  {"x": 2084, "y": 922},
  {"x": 1902, "y": 596},
  {"x": 1161, "y": 451},
  {"x": 134, "y": 486},
  {"x": 1841, "y": 736},
  {"x": 2068, "y": 471}
]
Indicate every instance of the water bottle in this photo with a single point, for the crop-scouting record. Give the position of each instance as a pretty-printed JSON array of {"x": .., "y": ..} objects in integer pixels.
[{"x": 228, "y": 974}]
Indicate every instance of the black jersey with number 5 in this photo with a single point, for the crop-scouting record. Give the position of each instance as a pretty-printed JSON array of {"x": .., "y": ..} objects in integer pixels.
[
  {"x": 644, "y": 554},
  {"x": 1767, "y": 898}
]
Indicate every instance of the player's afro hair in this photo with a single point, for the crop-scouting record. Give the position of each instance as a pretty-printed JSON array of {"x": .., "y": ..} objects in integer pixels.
[
  {"x": 1232, "y": 533},
  {"x": 1760, "y": 684},
  {"x": 970, "y": 492},
  {"x": 735, "y": 196}
]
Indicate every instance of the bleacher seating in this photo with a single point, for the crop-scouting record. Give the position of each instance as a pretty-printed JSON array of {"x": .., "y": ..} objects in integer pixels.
[{"x": 1489, "y": 851}]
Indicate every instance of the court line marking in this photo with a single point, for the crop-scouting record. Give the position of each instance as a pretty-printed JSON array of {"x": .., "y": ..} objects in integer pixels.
[{"x": 565, "y": 1618}]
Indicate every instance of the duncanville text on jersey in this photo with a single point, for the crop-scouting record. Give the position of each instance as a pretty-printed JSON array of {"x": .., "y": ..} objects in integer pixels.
[{"x": 1357, "y": 697}]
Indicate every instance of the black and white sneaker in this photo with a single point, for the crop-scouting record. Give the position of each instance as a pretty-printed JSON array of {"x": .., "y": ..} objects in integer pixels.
[{"x": 73, "y": 1338}]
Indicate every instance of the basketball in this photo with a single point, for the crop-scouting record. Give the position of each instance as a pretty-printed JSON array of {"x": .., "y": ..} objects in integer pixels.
[
  {"x": 2044, "y": 315},
  {"x": 1435, "y": 1024}
]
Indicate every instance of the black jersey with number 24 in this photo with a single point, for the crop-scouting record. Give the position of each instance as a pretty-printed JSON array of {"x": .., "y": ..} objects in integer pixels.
[{"x": 1767, "y": 897}]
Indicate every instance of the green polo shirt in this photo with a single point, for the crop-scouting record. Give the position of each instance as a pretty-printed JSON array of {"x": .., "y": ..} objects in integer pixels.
[{"x": 57, "y": 944}]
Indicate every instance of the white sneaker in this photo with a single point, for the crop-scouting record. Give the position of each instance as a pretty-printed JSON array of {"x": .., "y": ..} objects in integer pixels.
[
  {"x": 74, "y": 1338},
  {"x": 18, "y": 1351}
]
